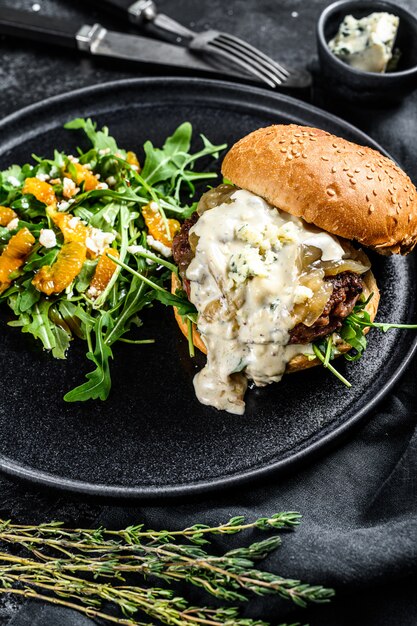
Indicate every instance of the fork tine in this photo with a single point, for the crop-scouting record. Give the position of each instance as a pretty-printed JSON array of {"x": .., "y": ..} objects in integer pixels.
[
  {"x": 254, "y": 53},
  {"x": 238, "y": 60},
  {"x": 250, "y": 65}
]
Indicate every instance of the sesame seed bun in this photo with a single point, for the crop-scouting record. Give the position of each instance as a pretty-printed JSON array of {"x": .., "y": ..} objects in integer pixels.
[
  {"x": 348, "y": 190},
  {"x": 300, "y": 361}
]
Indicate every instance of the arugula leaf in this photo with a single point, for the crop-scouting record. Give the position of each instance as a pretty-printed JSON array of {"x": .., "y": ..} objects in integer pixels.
[
  {"x": 100, "y": 139},
  {"x": 163, "y": 163},
  {"x": 99, "y": 381},
  {"x": 36, "y": 322},
  {"x": 180, "y": 301}
]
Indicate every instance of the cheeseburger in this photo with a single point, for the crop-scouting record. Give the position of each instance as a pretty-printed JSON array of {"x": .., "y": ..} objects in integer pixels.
[{"x": 273, "y": 260}]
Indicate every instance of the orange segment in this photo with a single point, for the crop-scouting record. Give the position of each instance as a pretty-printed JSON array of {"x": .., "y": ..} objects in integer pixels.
[
  {"x": 104, "y": 271},
  {"x": 57, "y": 277},
  {"x": 14, "y": 255},
  {"x": 6, "y": 215},
  {"x": 85, "y": 176},
  {"x": 71, "y": 227},
  {"x": 42, "y": 190},
  {"x": 132, "y": 159},
  {"x": 156, "y": 226}
]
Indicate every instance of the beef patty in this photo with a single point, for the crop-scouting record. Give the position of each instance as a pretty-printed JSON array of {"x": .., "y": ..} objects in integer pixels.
[{"x": 347, "y": 287}]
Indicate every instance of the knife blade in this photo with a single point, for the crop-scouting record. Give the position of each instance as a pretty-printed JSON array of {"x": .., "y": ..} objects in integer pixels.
[{"x": 99, "y": 41}]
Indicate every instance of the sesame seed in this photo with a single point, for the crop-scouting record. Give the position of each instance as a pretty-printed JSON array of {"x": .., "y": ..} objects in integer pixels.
[
  {"x": 371, "y": 208},
  {"x": 283, "y": 150},
  {"x": 290, "y": 157},
  {"x": 331, "y": 192},
  {"x": 324, "y": 158},
  {"x": 353, "y": 181},
  {"x": 333, "y": 170},
  {"x": 357, "y": 170},
  {"x": 391, "y": 191},
  {"x": 409, "y": 217},
  {"x": 374, "y": 192},
  {"x": 367, "y": 197},
  {"x": 370, "y": 177},
  {"x": 361, "y": 153}
]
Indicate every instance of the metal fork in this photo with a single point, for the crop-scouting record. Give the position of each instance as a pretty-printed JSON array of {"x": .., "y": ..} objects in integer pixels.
[{"x": 230, "y": 48}]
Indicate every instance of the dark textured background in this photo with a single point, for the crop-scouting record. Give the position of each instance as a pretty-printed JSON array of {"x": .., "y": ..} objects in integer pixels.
[{"x": 359, "y": 503}]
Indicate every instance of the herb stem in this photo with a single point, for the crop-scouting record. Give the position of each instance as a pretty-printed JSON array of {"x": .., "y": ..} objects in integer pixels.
[
  {"x": 137, "y": 274},
  {"x": 329, "y": 366}
]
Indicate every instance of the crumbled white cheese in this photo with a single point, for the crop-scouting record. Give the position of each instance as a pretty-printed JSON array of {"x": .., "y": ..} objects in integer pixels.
[
  {"x": 63, "y": 205},
  {"x": 69, "y": 188},
  {"x": 92, "y": 292},
  {"x": 73, "y": 222},
  {"x": 111, "y": 181},
  {"x": 102, "y": 186},
  {"x": 13, "y": 181},
  {"x": 73, "y": 159},
  {"x": 367, "y": 43},
  {"x": 47, "y": 238},
  {"x": 302, "y": 294},
  {"x": 245, "y": 264},
  {"x": 135, "y": 249},
  {"x": 158, "y": 246},
  {"x": 43, "y": 177},
  {"x": 97, "y": 240},
  {"x": 13, "y": 224},
  {"x": 104, "y": 151},
  {"x": 154, "y": 206}
]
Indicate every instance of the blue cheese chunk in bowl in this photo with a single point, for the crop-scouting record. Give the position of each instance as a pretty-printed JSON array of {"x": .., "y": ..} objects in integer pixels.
[
  {"x": 367, "y": 51},
  {"x": 367, "y": 43}
]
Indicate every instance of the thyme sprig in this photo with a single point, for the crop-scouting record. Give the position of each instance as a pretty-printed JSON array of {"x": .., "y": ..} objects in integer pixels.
[{"x": 84, "y": 568}]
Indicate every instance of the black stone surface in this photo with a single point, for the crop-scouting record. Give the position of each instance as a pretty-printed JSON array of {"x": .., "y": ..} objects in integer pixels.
[{"x": 359, "y": 502}]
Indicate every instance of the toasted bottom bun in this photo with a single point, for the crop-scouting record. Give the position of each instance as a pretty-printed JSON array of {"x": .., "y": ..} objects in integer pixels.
[{"x": 300, "y": 361}]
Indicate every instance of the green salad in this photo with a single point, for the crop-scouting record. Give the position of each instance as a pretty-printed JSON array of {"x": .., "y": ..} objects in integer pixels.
[{"x": 85, "y": 242}]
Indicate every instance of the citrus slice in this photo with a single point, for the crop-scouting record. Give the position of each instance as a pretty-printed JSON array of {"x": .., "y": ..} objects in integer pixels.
[
  {"x": 57, "y": 277},
  {"x": 14, "y": 255},
  {"x": 6, "y": 215},
  {"x": 84, "y": 175},
  {"x": 42, "y": 190},
  {"x": 71, "y": 227},
  {"x": 104, "y": 271},
  {"x": 132, "y": 159},
  {"x": 156, "y": 225}
]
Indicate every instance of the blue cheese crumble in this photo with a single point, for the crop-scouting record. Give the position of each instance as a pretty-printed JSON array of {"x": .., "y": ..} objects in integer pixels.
[{"x": 367, "y": 43}]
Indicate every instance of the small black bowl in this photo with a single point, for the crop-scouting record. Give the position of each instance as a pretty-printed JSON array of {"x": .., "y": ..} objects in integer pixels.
[{"x": 348, "y": 82}]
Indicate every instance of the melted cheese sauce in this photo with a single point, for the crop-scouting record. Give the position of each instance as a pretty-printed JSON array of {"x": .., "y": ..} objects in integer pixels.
[{"x": 244, "y": 283}]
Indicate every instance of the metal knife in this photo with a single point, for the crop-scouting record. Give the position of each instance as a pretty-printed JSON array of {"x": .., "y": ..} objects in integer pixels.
[{"x": 99, "y": 41}]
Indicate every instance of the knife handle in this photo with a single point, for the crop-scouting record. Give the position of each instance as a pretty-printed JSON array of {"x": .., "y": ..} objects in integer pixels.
[{"x": 37, "y": 27}]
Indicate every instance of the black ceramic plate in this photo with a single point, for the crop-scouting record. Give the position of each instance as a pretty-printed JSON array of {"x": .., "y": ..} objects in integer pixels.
[{"x": 152, "y": 437}]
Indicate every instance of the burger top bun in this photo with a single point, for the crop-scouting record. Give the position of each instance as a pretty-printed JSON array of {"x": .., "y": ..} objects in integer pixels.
[{"x": 348, "y": 190}]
